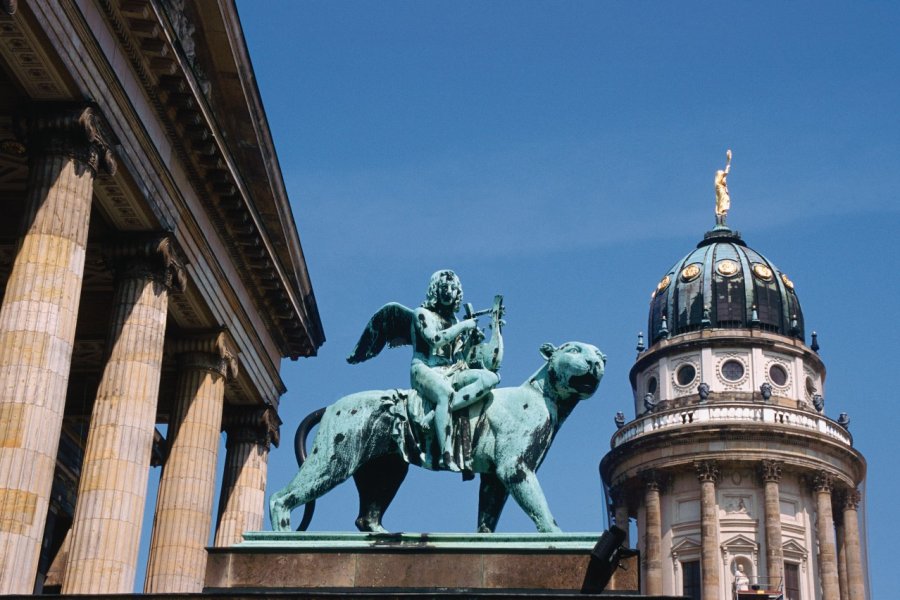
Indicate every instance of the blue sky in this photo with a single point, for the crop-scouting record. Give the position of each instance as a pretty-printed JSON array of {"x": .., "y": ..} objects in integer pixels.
[{"x": 562, "y": 154}]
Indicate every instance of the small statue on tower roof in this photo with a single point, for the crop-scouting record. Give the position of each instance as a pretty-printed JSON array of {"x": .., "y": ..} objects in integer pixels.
[{"x": 723, "y": 200}]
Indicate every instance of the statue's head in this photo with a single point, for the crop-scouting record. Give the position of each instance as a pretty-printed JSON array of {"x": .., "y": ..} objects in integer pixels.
[
  {"x": 574, "y": 369},
  {"x": 444, "y": 290}
]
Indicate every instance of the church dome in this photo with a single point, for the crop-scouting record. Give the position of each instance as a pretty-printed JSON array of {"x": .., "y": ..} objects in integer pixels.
[{"x": 723, "y": 284}]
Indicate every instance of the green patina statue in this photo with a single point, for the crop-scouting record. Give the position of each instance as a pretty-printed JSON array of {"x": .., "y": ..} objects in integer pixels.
[{"x": 453, "y": 419}]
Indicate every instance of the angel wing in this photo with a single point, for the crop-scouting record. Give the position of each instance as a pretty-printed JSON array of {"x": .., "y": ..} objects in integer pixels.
[{"x": 391, "y": 325}]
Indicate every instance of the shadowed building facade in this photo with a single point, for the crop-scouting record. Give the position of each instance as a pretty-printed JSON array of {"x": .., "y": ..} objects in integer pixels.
[
  {"x": 152, "y": 274},
  {"x": 731, "y": 464}
]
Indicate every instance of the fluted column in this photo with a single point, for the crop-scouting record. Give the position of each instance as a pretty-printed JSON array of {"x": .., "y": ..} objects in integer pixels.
[
  {"x": 856, "y": 583},
  {"x": 841, "y": 550},
  {"x": 185, "y": 499},
  {"x": 708, "y": 474},
  {"x": 823, "y": 484},
  {"x": 620, "y": 510},
  {"x": 67, "y": 144},
  {"x": 653, "y": 534},
  {"x": 770, "y": 471},
  {"x": 250, "y": 434},
  {"x": 113, "y": 485}
]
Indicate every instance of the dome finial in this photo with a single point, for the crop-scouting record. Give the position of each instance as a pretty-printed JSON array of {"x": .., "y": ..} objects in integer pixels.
[{"x": 723, "y": 199}]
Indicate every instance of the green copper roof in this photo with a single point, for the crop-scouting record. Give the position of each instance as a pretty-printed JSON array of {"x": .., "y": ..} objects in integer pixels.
[{"x": 724, "y": 284}]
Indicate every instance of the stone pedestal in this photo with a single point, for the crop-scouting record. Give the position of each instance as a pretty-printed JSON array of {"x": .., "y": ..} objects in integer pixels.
[{"x": 270, "y": 561}]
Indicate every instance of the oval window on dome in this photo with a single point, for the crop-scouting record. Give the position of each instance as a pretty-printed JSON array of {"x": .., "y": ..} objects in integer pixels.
[
  {"x": 652, "y": 385},
  {"x": 662, "y": 285},
  {"x": 733, "y": 370},
  {"x": 690, "y": 272},
  {"x": 685, "y": 375},
  {"x": 787, "y": 282},
  {"x": 727, "y": 268},
  {"x": 778, "y": 375},
  {"x": 810, "y": 386},
  {"x": 762, "y": 271}
]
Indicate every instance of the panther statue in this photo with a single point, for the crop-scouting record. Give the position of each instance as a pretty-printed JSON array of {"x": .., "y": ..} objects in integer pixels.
[{"x": 374, "y": 436}]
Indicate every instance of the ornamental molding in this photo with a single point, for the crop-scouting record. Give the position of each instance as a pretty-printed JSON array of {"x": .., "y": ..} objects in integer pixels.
[
  {"x": 253, "y": 425},
  {"x": 154, "y": 256},
  {"x": 741, "y": 357},
  {"x": 771, "y": 361},
  {"x": 23, "y": 55},
  {"x": 770, "y": 470},
  {"x": 77, "y": 130},
  {"x": 676, "y": 364},
  {"x": 707, "y": 471}
]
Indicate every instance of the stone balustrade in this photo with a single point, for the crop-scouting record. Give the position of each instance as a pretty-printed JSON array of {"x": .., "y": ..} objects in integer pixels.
[{"x": 731, "y": 413}]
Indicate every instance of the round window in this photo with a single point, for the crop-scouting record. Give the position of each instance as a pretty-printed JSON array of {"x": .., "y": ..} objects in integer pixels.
[
  {"x": 732, "y": 370},
  {"x": 778, "y": 375},
  {"x": 810, "y": 386},
  {"x": 651, "y": 385},
  {"x": 685, "y": 374}
]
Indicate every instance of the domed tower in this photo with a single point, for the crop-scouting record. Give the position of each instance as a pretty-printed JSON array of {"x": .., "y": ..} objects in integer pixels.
[{"x": 733, "y": 472}]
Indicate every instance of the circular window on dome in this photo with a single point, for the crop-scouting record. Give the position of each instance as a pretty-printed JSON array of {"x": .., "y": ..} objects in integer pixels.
[
  {"x": 662, "y": 285},
  {"x": 685, "y": 375},
  {"x": 652, "y": 384},
  {"x": 690, "y": 272},
  {"x": 787, "y": 282},
  {"x": 733, "y": 370},
  {"x": 762, "y": 271},
  {"x": 778, "y": 375},
  {"x": 810, "y": 387},
  {"x": 727, "y": 268}
]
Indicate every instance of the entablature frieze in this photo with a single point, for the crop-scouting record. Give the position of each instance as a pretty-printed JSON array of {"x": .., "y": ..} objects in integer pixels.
[{"x": 158, "y": 42}]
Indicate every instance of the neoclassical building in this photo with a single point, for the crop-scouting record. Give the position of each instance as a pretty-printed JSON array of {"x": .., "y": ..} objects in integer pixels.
[
  {"x": 152, "y": 274},
  {"x": 730, "y": 464}
]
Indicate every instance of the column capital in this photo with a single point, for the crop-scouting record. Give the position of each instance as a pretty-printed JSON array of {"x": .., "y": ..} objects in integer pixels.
[
  {"x": 75, "y": 129},
  {"x": 823, "y": 481},
  {"x": 149, "y": 255},
  {"x": 850, "y": 499},
  {"x": 257, "y": 425},
  {"x": 770, "y": 470},
  {"x": 214, "y": 351},
  {"x": 653, "y": 480},
  {"x": 707, "y": 470}
]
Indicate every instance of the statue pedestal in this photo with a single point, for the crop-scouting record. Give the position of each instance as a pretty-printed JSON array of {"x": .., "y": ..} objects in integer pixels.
[{"x": 270, "y": 561}]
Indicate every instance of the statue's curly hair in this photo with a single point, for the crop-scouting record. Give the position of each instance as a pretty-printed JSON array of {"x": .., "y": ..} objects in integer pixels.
[{"x": 431, "y": 296}]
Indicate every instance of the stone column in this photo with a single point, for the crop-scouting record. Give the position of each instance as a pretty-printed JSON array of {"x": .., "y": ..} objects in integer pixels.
[
  {"x": 620, "y": 509},
  {"x": 770, "y": 471},
  {"x": 181, "y": 528},
  {"x": 68, "y": 144},
  {"x": 708, "y": 474},
  {"x": 841, "y": 555},
  {"x": 823, "y": 484},
  {"x": 652, "y": 535},
  {"x": 113, "y": 486},
  {"x": 241, "y": 504},
  {"x": 856, "y": 583}
]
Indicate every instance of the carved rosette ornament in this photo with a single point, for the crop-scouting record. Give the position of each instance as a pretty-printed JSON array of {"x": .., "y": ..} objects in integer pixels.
[
  {"x": 260, "y": 426},
  {"x": 152, "y": 256},
  {"x": 770, "y": 470},
  {"x": 74, "y": 130},
  {"x": 707, "y": 470}
]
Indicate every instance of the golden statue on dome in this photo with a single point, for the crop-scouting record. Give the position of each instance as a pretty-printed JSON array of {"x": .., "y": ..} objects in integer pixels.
[{"x": 723, "y": 200}]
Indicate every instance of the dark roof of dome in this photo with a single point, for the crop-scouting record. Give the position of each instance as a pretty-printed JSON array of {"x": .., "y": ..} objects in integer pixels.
[{"x": 724, "y": 284}]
